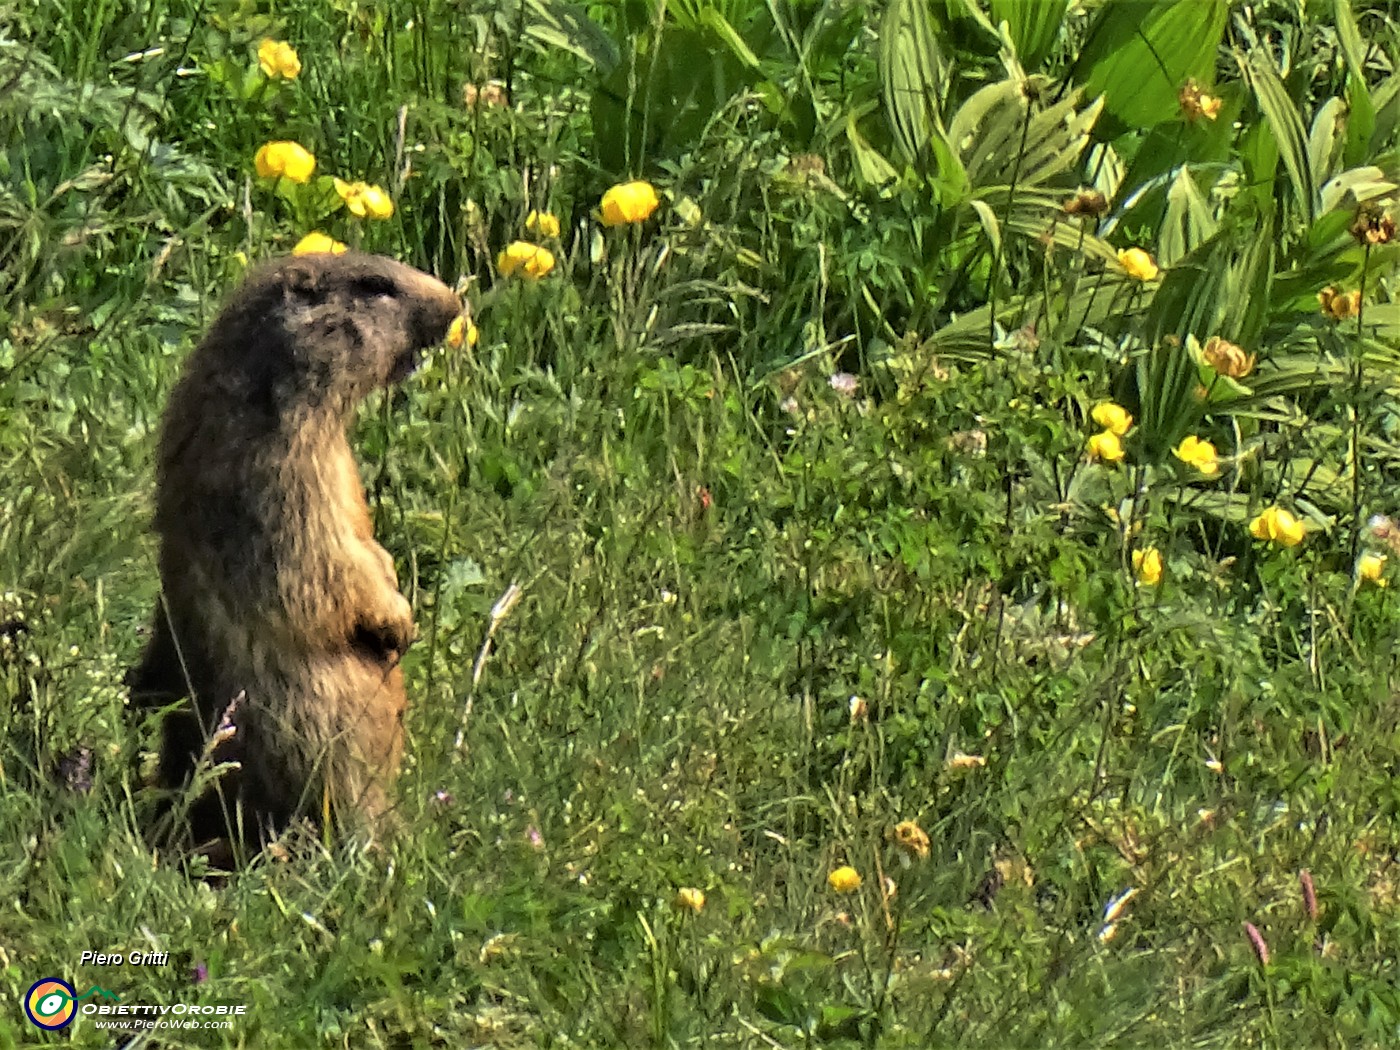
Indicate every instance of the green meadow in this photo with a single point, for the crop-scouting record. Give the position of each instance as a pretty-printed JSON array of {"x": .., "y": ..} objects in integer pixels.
[{"x": 921, "y": 584}]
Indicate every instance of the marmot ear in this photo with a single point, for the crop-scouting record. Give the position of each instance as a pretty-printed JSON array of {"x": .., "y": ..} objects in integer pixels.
[{"x": 301, "y": 281}]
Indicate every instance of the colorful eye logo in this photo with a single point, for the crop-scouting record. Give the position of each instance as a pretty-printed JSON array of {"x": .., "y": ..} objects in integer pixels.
[{"x": 51, "y": 1003}]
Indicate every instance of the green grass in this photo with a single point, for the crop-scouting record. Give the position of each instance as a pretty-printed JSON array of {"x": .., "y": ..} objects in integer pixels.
[{"x": 719, "y": 551}]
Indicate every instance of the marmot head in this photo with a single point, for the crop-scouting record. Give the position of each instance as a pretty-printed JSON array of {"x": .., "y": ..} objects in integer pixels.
[{"x": 326, "y": 330}]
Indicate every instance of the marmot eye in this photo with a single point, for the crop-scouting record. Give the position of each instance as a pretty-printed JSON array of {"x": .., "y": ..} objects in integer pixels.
[{"x": 370, "y": 285}]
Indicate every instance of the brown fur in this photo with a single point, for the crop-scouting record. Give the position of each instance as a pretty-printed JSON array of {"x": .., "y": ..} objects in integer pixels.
[{"x": 273, "y": 585}]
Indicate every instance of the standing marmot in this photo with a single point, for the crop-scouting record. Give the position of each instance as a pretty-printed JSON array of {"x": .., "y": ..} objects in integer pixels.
[{"x": 274, "y": 588}]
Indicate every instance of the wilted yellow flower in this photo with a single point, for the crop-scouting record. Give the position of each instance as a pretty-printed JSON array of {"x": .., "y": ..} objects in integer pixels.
[
  {"x": 962, "y": 761},
  {"x": 1113, "y": 418},
  {"x": 1372, "y": 225},
  {"x": 689, "y": 899},
  {"x": 1339, "y": 305},
  {"x": 844, "y": 879},
  {"x": 1087, "y": 202},
  {"x": 277, "y": 58},
  {"x": 1196, "y": 104},
  {"x": 1371, "y": 567},
  {"x": 365, "y": 201},
  {"x": 462, "y": 332},
  {"x": 629, "y": 202},
  {"x": 911, "y": 838},
  {"x": 1227, "y": 358},
  {"x": 289, "y": 160},
  {"x": 1139, "y": 265},
  {"x": 1199, "y": 454},
  {"x": 1106, "y": 447},
  {"x": 1278, "y": 526},
  {"x": 316, "y": 242},
  {"x": 1147, "y": 566},
  {"x": 522, "y": 257},
  {"x": 542, "y": 223}
]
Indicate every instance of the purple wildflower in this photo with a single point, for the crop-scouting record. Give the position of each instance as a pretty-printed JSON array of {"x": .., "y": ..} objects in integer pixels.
[
  {"x": 1309, "y": 894},
  {"x": 1257, "y": 940}
]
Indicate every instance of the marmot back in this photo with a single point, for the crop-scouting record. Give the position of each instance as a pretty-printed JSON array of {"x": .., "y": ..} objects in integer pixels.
[{"x": 281, "y": 617}]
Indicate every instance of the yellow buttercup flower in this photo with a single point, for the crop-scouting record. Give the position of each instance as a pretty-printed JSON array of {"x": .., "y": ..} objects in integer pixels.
[
  {"x": 277, "y": 58},
  {"x": 1199, "y": 454},
  {"x": 1371, "y": 567},
  {"x": 1147, "y": 566},
  {"x": 526, "y": 259},
  {"x": 1113, "y": 418},
  {"x": 365, "y": 201},
  {"x": 284, "y": 160},
  {"x": 689, "y": 899},
  {"x": 1139, "y": 265},
  {"x": 542, "y": 224},
  {"x": 1278, "y": 526},
  {"x": 629, "y": 202},
  {"x": 462, "y": 332},
  {"x": 1106, "y": 447},
  {"x": 844, "y": 879},
  {"x": 911, "y": 838},
  {"x": 315, "y": 243}
]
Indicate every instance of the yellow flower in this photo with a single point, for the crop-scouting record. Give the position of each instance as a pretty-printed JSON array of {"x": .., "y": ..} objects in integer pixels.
[
  {"x": 522, "y": 257},
  {"x": 278, "y": 59},
  {"x": 962, "y": 761},
  {"x": 1278, "y": 526},
  {"x": 844, "y": 879},
  {"x": 911, "y": 838},
  {"x": 1227, "y": 358},
  {"x": 1113, "y": 418},
  {"x": 629, "y": 202},
  {"x": 1371, "y": 567},
  {"x": 689, "y": 899},
  {"x": 365, "y": 201},
  {"x": 1106, "y": 447},
  {"x": 1147, "y": 566},
  {"x": 462, "y": 332},
  {"x": 1199, "y": 454},
  {"x": 1139, "y": 265},
  {"x": 1339, "y": 305},
  {"x": 289, "y": 160},
  {"x": 316, "y": 242},
  {"x": 542, "y": 224}
]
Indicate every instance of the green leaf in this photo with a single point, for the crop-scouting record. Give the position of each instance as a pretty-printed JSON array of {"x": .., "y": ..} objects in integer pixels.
[
  {"x": 567, "y": 27},
  {"x": 1286, "y": 126},
  {"x": 1034, "y": 26},
  {"x": 1139, "y": 55},
  {"x": 911, "y": 75}
]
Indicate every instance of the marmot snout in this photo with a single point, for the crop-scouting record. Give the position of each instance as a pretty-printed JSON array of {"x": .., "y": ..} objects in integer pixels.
[{"x": 274, "y": 589}]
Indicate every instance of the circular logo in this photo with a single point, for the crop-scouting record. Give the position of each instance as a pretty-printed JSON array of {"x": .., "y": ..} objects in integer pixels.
[{"x": 50, "y": 1003}]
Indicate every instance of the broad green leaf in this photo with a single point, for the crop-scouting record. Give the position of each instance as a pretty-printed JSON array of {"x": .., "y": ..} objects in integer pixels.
[
  {"x": 1188, "y": 222},
  {"x": 1286, "y": 125},
  {"x": 1034, "y": 26},
  {"x": 911, "y": 75},
  {"x": 1140, "y": 54},
  {"x": 872, "y": 168}
]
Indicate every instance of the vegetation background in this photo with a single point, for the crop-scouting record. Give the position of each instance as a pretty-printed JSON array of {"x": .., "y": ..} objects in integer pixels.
[{"x": 829, "y": 555}]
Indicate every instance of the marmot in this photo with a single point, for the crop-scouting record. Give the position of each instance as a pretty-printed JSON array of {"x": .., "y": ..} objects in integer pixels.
[{"x": 274, "y": 589}]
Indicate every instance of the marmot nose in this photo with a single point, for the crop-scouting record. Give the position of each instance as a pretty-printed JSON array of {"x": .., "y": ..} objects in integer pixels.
[{"x": 436, "y": 306}]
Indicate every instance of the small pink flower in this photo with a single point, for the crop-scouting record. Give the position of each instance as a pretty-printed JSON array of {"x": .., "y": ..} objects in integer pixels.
[
  {"x": 1257, "y": 940},
  {"x": 533, "y": 836},
  {"x": 844, "y": 384}
]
